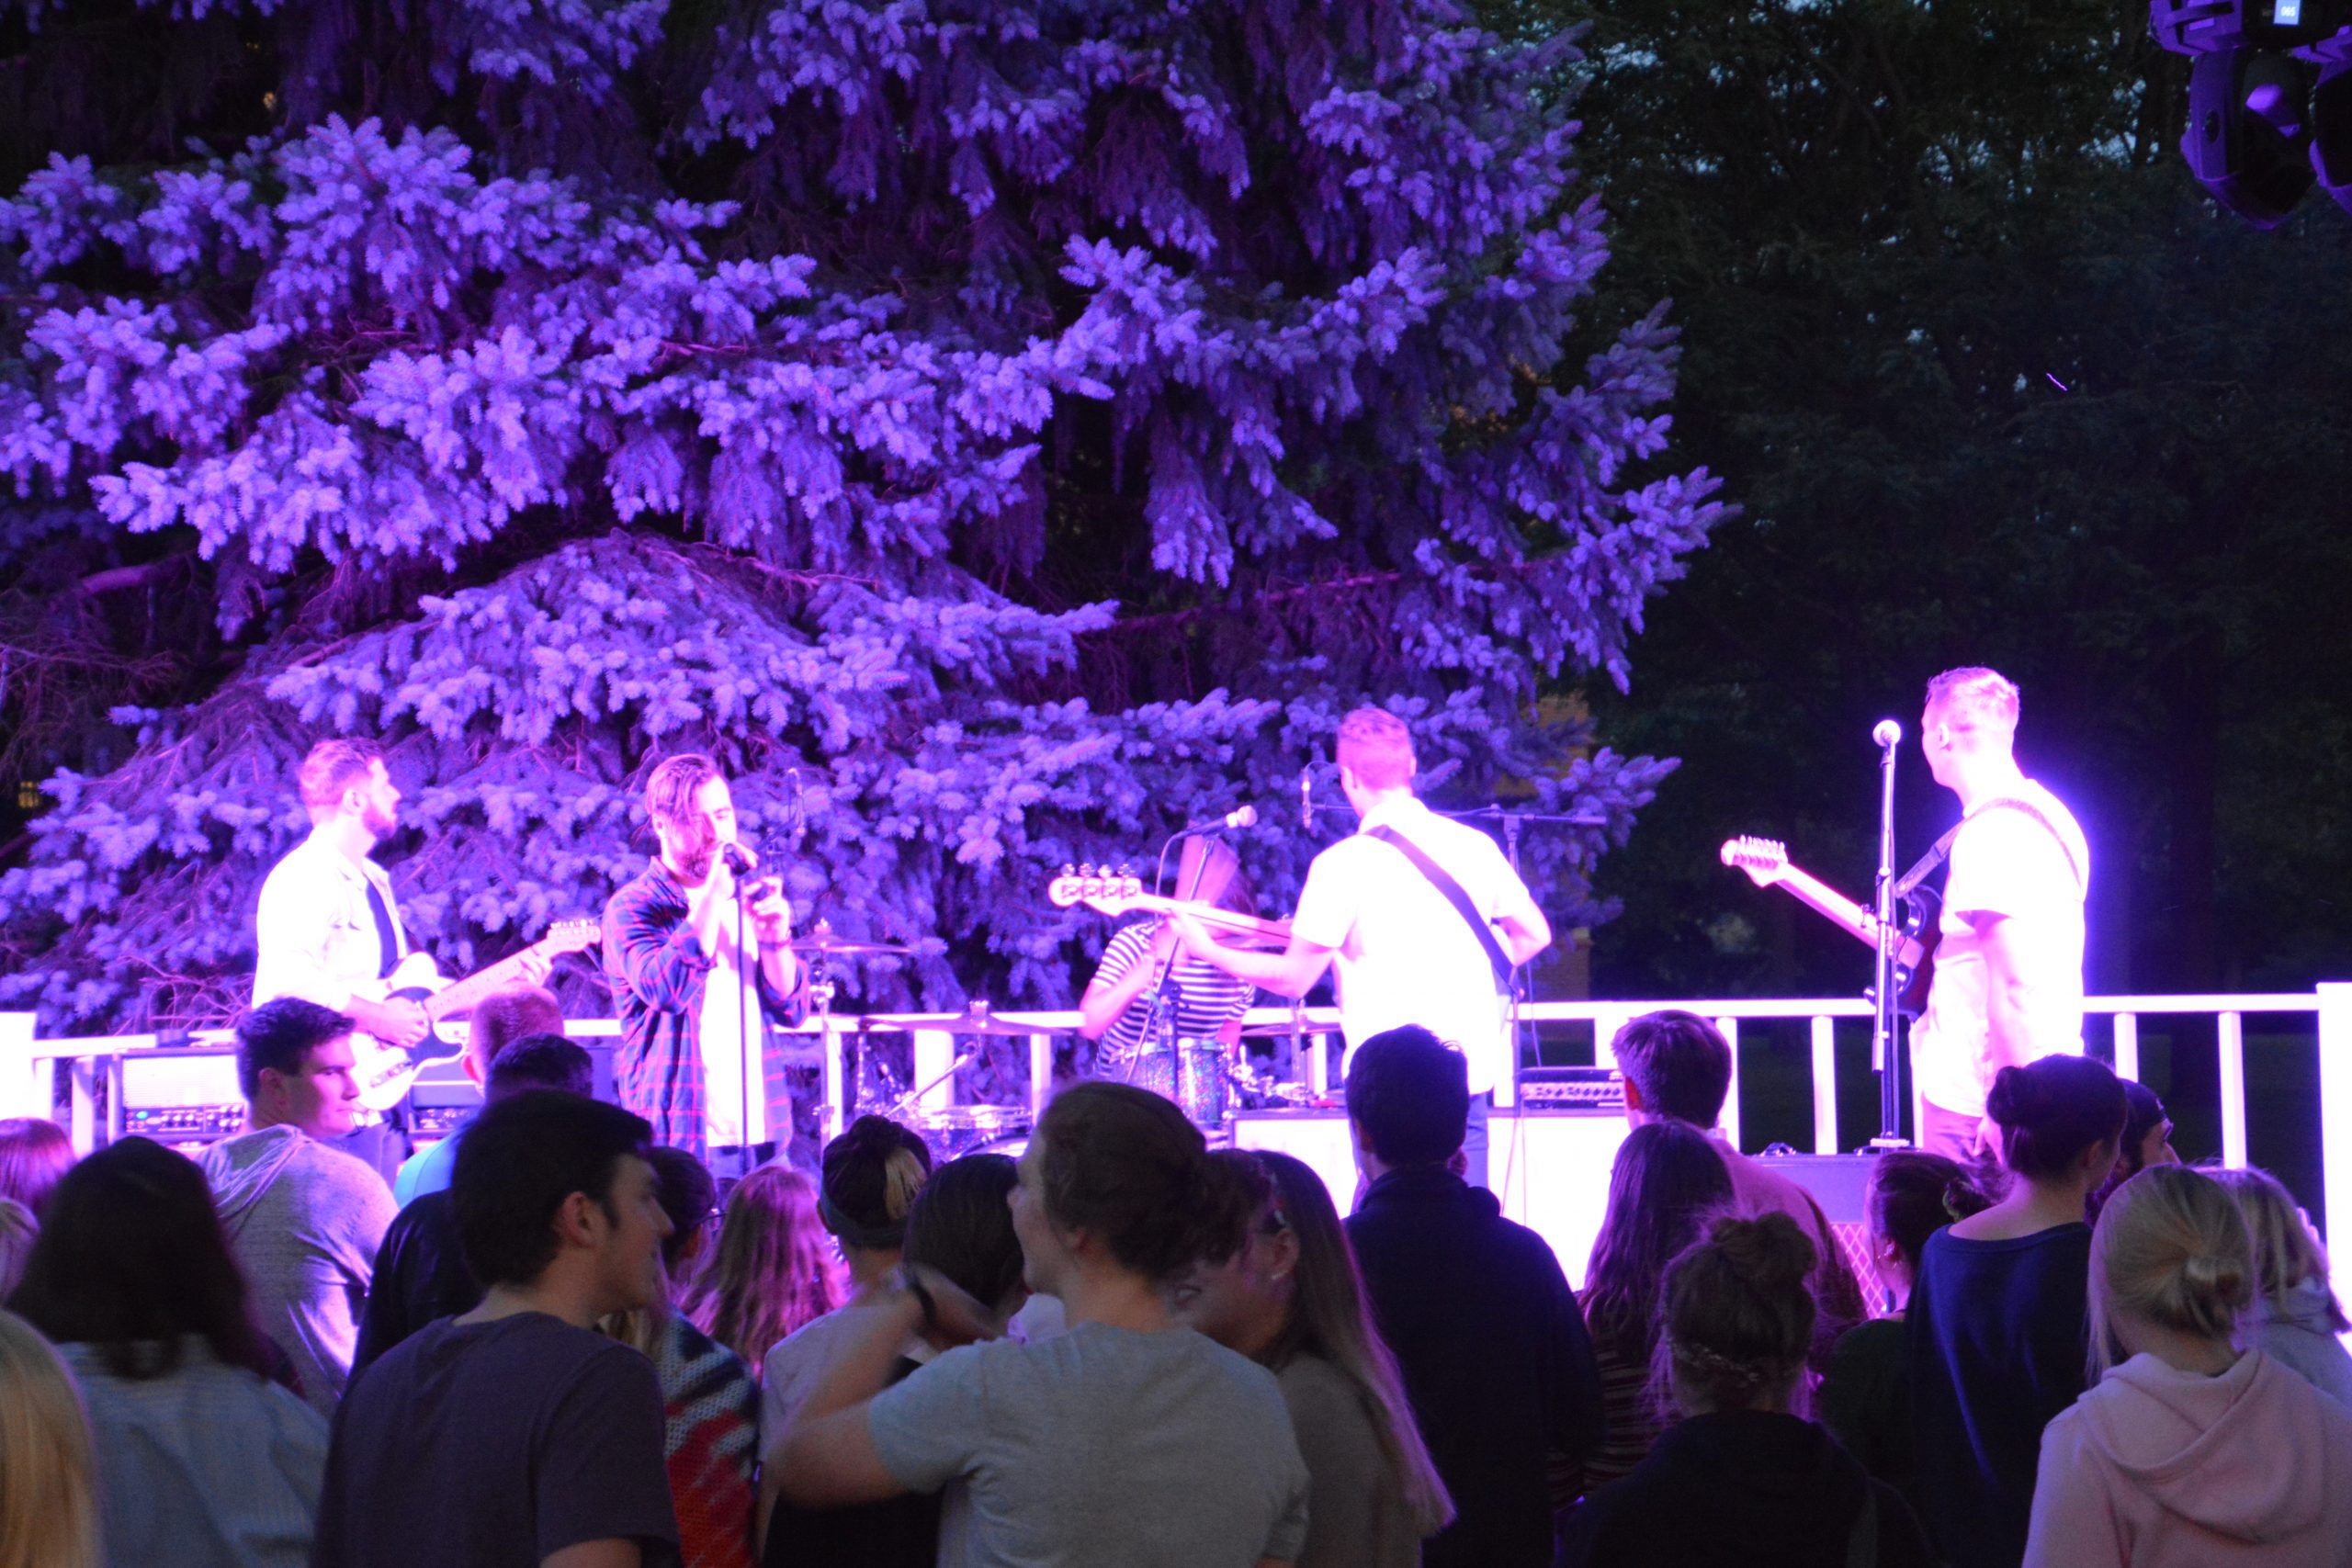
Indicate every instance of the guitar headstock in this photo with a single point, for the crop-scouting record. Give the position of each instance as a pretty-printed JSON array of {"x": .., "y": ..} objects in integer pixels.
[
  {"x": 574, "y": 935},
  {"x": 1098, "y": 887},
  {"x": 1763, "y": 859}
]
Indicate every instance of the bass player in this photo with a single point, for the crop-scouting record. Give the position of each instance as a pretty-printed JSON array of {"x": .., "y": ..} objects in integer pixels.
[{"x": 1423, "y": 918}]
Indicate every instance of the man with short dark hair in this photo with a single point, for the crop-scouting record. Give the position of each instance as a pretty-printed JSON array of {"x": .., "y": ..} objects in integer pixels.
[
  {"x": 1484, "y": 1329},
  {"x": 498, "y": 1018},
  {"x": 1678, "y": 1067},
  {"x": 700, "y": 964},
  {"x": 304, "y": 1218},
  {"x": 421, "y": 1273},
  {"x": 1420, "y": 918},
  {"x": 517, "y": 1434}
]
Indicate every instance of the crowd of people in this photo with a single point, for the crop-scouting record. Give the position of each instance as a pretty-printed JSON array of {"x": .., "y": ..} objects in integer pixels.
[{"x": 564, "y": 1343}]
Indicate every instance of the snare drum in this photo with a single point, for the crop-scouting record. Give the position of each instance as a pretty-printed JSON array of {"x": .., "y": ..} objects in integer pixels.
[
  {"x": 1193, "y": 1074},
  {"x": 958, "y": 1129}
]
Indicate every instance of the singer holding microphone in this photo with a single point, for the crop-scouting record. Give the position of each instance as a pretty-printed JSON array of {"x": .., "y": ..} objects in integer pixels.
[{"x": 697, "y": 1057}]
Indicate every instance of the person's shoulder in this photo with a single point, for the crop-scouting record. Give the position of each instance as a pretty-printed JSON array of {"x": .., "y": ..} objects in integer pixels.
[{"x": 1316, "y": 1390}]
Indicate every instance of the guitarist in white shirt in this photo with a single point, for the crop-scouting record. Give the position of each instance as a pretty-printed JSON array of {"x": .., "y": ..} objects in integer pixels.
[
  {"x": 328, "y": 927},
  {"x": 2008, "y": 986},
  {"x": 1403, "y": 952}
]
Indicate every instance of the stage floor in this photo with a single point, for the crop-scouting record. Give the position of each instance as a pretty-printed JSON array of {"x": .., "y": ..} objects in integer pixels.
[{"x": 1550, "y": 1167}]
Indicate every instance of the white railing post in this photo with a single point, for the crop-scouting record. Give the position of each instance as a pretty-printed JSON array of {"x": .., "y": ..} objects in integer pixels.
[
  {"x": 1730, "y": 1026},
  {"x": 2335, "y": 1114},
  {"x": 1041, "y": 1074},
  {"x": 1824, "y": 1086},
  {"x": 2127, "y": 1045},
  {"x": 24, "y": 1085},
  {"x": 2232, "y": 1041}
]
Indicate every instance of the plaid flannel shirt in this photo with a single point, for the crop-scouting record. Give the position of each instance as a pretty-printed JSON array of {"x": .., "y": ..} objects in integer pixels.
[{"x": 657, "y": 971}]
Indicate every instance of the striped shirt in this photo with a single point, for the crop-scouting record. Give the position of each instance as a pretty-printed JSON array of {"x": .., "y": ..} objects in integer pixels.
[{"x": 1208, "y": 998}]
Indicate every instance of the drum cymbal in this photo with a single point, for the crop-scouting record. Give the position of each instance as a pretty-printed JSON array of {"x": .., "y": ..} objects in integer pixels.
[
  {"x": 973, "y": 1021},
  {"x": 825, "y": 945}
]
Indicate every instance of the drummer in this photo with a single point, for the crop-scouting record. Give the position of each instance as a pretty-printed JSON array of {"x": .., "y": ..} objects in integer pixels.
[{"x": 1210, "y": 1002}]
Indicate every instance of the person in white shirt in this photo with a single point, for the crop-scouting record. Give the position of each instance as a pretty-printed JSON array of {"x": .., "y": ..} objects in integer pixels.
[
  {"x": 2007, "y": 987},
  {"x": 328, "y": 929},
  {"x": 1403, "y": 951}
]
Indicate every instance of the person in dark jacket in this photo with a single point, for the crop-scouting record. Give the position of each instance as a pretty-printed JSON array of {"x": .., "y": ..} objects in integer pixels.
[
  {"x": 1496, "y": 1359},
  {"x": 1739, "y": 1479},
  {"x": 421, "y": 1273}
]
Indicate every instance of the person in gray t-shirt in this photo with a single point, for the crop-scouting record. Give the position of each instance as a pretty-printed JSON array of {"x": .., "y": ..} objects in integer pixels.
[
  {"x": 1128, "y": 1440},
  {"x": 304, "y": 1219}
]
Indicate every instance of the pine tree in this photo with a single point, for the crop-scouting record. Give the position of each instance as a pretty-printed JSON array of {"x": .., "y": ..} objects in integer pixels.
[{"x": 1000, "y": 431}]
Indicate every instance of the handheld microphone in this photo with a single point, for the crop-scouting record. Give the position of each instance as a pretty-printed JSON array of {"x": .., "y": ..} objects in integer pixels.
[
  {"x": 1887, "y": 733},
  {"x": 1246, "y": 816},
  {"x": 737, "y": 860},
  {"x": 1307, "y": 799}
]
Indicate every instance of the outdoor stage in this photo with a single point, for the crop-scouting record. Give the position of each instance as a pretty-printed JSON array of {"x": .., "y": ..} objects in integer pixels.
[{"x": 1549, "y": 1167}]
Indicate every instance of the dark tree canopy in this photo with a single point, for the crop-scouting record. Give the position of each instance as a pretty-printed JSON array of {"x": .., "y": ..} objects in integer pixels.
[{"x": 1013, "y": 429}]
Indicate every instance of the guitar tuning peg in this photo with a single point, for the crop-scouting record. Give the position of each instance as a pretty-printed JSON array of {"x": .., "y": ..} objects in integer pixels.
[{"x": 1068, "y": 870}]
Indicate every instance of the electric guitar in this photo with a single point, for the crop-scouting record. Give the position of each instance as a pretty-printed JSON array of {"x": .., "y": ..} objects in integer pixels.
[
  {"x": 1766, "y": 860},
  {"x": 385, "y": 1072},
  {"x": 1109, "y": 893}
]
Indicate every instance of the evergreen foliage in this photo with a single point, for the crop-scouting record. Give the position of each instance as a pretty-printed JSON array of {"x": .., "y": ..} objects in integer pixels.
[{"x": 1006, "y": 430}]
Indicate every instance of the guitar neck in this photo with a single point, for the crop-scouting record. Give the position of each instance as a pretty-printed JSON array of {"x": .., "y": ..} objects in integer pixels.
[
  {"x": 1824, "y": 900},
  {"x": 1215, "y": 918},
  {"x": 464, "y": 995}
]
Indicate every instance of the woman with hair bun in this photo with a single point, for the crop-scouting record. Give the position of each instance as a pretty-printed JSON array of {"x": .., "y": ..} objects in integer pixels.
[
  {"x": 1740, "y": 1479},
  {"x": 2189, "y": 1451},
  {"x": 871, "y": 1174},
  {"x": 1997, "y": 1318}
]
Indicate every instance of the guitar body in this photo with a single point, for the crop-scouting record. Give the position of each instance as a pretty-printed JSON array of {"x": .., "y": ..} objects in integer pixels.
[
  {"x": 385, "y": 1072},
  {"x": 1914, "y": 961}
]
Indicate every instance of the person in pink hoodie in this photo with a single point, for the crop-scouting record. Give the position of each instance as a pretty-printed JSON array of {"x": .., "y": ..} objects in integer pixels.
[{"x": 2190, "y": 1452}]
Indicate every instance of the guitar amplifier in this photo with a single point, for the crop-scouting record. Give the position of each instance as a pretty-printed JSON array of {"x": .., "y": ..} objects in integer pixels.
[
  {"x": 1580, "y": 1091},
  {"x": 184, "y": 1099}
]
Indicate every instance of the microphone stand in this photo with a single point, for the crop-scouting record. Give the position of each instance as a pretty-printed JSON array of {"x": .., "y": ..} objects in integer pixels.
[{"x": 1886, "y": 1054}]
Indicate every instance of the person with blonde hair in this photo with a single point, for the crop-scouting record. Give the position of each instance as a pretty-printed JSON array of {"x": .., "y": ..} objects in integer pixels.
[
  {"x": 2294, "y": 1318},
  {"x": 1740, "y": 1478},
  {"x": 48, "y": 1515},
  {"x": 771, "y": 1273},
  {"x": 1291, "y": 1299},
  {"x": 2188, "y": 1450},
  {"x": 2007, "y": 987}
]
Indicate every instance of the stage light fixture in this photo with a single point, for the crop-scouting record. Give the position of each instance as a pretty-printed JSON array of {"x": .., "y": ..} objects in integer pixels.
[{"x": 2261, "y": 131}]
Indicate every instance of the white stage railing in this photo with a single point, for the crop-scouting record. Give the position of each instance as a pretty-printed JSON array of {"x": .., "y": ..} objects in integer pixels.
[{"x": 26, "y": 1078}]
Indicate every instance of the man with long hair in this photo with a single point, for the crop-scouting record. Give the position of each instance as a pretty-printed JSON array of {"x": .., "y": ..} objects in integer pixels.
[{"x": 700, "y": 960}]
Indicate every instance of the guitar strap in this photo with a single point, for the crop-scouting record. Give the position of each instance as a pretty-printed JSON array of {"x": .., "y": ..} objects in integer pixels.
[
  {"x": 1443, "y": 882},
  {"x": 388, "y": 935},
  {"x": 1908, "y": 883}
]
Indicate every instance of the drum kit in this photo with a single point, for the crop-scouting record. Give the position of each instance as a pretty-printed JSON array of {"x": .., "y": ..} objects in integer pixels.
[{"x": 1208, "y": 1079}]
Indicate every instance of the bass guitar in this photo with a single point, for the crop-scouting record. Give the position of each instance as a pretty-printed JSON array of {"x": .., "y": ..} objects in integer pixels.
[
  {"x": 384, "y": 1071},
  {"x": 1110, "y": 893},
  {"x": 1766, "y": 860}
]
